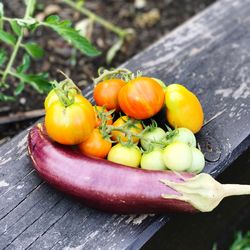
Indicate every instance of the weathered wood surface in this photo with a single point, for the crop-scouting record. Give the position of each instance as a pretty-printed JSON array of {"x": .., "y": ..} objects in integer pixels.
[{"x": 211, "y": 55}]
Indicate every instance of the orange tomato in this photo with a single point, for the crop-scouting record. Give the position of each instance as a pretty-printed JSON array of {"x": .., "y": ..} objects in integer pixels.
[
  {"x": 95, "y": 145},
  {"x": 136, "y": 129},
  {"x": 141, "y": 98},
  {"x": 70, "y": 125},
  {"x": 98, "y": 120},
  {"x": 183, "y": 108},
  {"x": 106, "y": 93}
]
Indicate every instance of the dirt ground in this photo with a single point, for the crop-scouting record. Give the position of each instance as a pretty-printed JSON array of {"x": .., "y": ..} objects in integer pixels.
[{"x": 149, "y": 19}]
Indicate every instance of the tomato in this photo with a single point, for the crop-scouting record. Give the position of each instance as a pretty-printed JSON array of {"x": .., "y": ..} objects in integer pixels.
[
  {"x": 198, "y": 162},
  {"x": 52, "y": 97},
  {"x": 98, "y": 109},
  {"x": 154, "y": 134},
  {"x": 183, "y": 108},
  {"x": 153, "y": 160},
  {"x": 69, "y": 125},
  {"x": 95, "y": 145},
  {"x": 141, "y": 98},
  {"x": 161, "y": 83},
  {"x": 184, "y": 135},
  {"x": 177, "y": 156},
  {"x": 106, "y": 93},
  {"x": 136, "y": 129},
  {"x": 129, "y": 156}
]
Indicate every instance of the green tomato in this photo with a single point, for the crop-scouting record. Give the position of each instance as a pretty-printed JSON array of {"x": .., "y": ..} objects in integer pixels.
[
  {"x": 185, "y": 135},
  {"x": 153, "y": 160},
  {"x": 177, "y": 156},
  {"x": 198, "y": 162},
  {"x": 129, "y": 156},
  {"x": 154, "y": 134}
]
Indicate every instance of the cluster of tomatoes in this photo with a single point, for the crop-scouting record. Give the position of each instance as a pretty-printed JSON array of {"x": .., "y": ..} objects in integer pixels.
[{"x": 72, "y": 120}]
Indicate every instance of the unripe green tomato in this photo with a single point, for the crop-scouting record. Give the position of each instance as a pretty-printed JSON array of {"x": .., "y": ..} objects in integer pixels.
[
  {"x": 177, "y": 156},
  {"x": 185, "y": 135},
  {"x": 198, "y": 162},
  {"x": 129, "y": 156},
  {"x": 155, "y": 134},
  {"x": 153, "y": 160}
]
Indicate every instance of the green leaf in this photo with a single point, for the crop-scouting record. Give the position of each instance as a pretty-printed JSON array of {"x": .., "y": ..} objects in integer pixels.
[
  {"x": 15, "y": 27},
  {"x": 19, "y": 89},
  {"x": 64, "y": 29},
  {"x": 113, "y": 50},
  {"x": 24, "y": 65},
  {"x": 34, "y": 50},
  {"x": 39, "y": 82},
  {"x": 1, "y": 10},
  {"x": 3, "y": 56},
  {"x": 7, "y": 38},
  {"x": 241, "y": 242},
  {"x": 6, "y": 98}
]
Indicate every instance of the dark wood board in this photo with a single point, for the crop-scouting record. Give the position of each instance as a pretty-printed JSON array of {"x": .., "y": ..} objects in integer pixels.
[{"x": 210, "y": 54}]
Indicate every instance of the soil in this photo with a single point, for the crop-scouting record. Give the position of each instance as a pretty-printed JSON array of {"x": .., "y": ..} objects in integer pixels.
[{"x": 150, "y": 21}]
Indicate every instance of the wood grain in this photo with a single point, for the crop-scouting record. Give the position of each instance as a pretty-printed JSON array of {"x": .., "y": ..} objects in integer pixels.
[{"x": 210, "y": 54}]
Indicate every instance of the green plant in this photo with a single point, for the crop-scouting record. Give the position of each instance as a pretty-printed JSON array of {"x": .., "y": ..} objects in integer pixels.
[
  {"x": 121, "y": 33},
  {"x": 14, "y": 39},
  {"x": 241, "y": 242}
]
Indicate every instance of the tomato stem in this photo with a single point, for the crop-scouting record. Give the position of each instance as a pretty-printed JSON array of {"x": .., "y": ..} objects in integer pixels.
[
  {"x": 122, "y": 33},
  {"x": 111, "y": 74}
]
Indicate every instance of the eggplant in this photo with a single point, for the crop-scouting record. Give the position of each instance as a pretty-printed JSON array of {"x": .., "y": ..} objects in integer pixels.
[{"x": 120, "y": 189}]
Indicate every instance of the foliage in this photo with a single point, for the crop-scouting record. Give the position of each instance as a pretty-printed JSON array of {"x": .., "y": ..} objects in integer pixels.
[
  {"x": 14, "y": 39},
  {"x": 241, "y": 242}
]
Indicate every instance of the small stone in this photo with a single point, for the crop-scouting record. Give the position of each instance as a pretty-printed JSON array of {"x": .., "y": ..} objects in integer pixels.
[{"x": 22, "y": 100}]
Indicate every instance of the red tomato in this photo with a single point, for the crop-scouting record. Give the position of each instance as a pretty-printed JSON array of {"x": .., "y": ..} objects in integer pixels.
[
  {"x": 141, "y": 98},
  {"x": 98, "y": 120},
  {"x": 95, "y": 145},
  {"x": 106, "y": 93}
]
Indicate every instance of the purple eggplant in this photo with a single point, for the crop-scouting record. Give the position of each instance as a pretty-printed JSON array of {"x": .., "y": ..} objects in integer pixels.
[{"x": 120, "y": 189}]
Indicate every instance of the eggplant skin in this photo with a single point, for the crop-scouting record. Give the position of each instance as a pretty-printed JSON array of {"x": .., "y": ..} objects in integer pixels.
[{"x": 102, "y": 184}]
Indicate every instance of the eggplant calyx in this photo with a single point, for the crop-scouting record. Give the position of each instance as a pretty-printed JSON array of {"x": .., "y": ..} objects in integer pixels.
[{"x": 203, "y": 192}]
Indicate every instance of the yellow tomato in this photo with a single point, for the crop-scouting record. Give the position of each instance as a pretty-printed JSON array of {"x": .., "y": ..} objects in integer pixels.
[
  {"x": 52, "y": 97},
  {"x": 135, "y": 128},
  {"x": 183, "y": 108},
  {"x": 69, "y": 125}
]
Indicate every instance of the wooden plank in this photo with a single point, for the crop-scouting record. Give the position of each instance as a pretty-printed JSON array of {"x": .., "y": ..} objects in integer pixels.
[{"x": 210, "y": 55}]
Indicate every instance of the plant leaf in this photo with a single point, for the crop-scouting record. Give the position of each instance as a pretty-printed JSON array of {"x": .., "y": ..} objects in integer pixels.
[
  {"x": 7, "y": 38},
  {"x": 6, "y": 98},
  {"x": 64, "y": 29},
  {"x": 3, "y": 56},
  {"x": 39, "y": 82},
  {"x": 113, "y": 50},
  {"x": 24, "y": 65},
  {"x": 15, "y": 27},
  {"x": 34, "y": 50},
  {"x": 19, "y": 89}
]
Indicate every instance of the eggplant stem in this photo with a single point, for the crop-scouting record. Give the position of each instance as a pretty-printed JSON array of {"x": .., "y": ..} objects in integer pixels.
[
  {"x": 203, "y": 192},
  {"x": 235, "y": 189}
]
